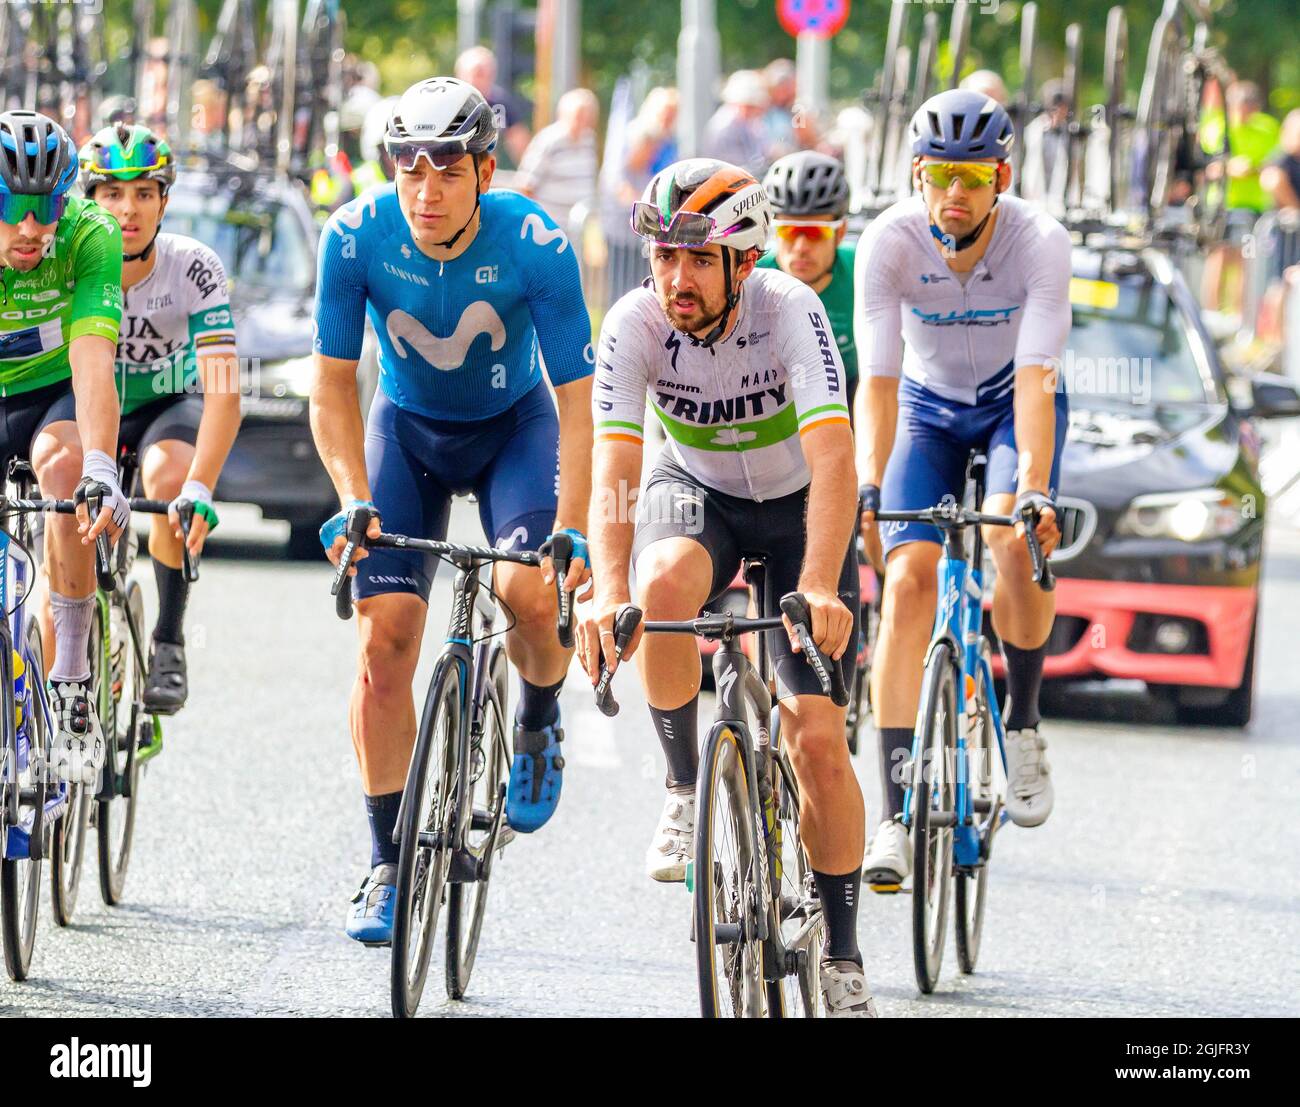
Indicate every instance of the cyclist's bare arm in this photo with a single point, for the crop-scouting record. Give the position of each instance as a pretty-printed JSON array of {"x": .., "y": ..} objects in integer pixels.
[
  {"x": 616, "y": 479},
  {"x": 337, "y": 428},
  {"x": 573, "y": 403},
  {"x": 832, "y": 511},
  {"x": 98, "y": 409}
]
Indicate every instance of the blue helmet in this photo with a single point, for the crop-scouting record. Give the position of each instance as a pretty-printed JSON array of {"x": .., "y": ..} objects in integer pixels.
[
  {"x": 961, "y": 125},
  {"x": 37, "y": 158}
]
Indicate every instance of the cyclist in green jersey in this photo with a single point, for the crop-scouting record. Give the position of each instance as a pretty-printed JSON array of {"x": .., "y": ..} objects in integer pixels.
[
  {"x": 60, "y": 308},
  {"x": 810, "y": 199},
  {"x": 177, "y": 372}
]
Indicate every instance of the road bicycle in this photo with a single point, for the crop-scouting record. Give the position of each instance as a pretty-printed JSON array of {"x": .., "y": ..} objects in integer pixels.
[
  {"x": 953, "y": 804},
  {"x": 451, "y": 822},
  {"x": 757, "y": 923}
]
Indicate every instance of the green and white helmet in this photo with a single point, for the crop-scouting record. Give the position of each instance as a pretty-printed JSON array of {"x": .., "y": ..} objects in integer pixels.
[{"x": 124, "y": 152}]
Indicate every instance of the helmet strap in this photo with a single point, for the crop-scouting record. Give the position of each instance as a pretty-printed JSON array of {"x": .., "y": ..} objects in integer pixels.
[
  {"x": 143, "y": 255},
  {"x": 477, "y": 194},
  {"x": 967, "y": 240},
  {"x": 733, "y": 295}
]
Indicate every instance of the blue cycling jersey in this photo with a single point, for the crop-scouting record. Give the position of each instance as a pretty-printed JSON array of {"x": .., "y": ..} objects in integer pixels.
[{"x": 459, "y": 339}]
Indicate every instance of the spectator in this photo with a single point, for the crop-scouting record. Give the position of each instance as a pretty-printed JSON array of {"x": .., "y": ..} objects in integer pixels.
[
  {"x": 988, "y": 83},
  {"x": 1047, "y": 139},
  {"x": 558, "y": 169},
  {"x": 779, "y": 120},
  {"x": 478, "y": 66},
  {"x": 1253, "y": 142},
  {"x": 651, "y": 145},
  {"x": 736, "y": 134},
  {"x": 1281, "y": 179}
]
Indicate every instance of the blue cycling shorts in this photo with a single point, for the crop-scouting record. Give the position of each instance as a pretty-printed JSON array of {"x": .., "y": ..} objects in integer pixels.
[
  {"x": 511, "y": 462},
  {"x": 932, "y": 445}
]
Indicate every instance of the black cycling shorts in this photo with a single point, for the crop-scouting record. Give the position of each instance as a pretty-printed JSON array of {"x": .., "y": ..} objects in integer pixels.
[
  {"x": 24, "y": 416},
  {"x": 674, "y": 504},
  {"x": 173, "y": 418}
]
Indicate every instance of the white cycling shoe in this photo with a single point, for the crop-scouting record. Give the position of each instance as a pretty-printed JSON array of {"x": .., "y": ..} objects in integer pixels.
[
  {"x": 77, "y": 752},
  {"x": 1029, "y": 783},
  {"x": 674, "y": 841},
  {"x": 845, "y": 992},
  {"x": 889, "y": 859}
]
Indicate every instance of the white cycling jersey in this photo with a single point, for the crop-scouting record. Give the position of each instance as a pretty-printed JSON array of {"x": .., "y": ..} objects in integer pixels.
[
  {"x": 964, "y": 340},
  {"x": 734, "y": 412}
]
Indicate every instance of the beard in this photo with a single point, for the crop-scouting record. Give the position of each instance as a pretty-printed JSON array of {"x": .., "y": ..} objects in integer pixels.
[{"x": 703, "y": 320}]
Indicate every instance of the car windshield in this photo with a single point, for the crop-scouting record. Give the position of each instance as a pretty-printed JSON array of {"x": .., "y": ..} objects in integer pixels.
[
  {"x": 259, "y": 242},
  {"x": 1129, "y": 346}
]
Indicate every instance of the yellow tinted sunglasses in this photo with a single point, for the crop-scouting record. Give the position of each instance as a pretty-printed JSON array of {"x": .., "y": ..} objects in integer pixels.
[
  {"x": 972, "y": 174},
  {"x": 787, "y": 230}
]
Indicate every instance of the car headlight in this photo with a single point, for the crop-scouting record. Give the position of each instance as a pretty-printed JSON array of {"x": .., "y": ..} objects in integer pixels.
[
  {"x": 278, "y": 380},
  {"x": 1186, "y": 516}
]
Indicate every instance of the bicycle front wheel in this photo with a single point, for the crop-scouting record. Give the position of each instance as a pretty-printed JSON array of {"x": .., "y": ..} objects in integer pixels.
[
  {"x": 803, "y": 929},
  {"x": 428, "y": 819},
  {"x": 20, "y": 877},
  {"x": 728, "y": 953},
  {"x": 484, "y": 776},
  {"x": 932, "y": 811},
  {"x": 970, "y": 886},
  {"x": 69, "y": 839}
]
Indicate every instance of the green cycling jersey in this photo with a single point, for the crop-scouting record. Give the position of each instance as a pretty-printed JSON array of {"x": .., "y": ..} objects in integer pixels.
[
  {"x": 75, "y": 290},
  {"x": 837, "y": 299}
]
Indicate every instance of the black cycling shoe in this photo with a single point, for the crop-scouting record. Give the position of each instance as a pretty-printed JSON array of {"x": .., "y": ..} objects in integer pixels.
[{"x": 167, "y": 688}]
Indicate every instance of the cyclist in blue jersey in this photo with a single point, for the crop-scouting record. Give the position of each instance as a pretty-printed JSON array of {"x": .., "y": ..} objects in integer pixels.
[
  {"x": 468, "y": 291},
  {"x": 963, "y": 292}
]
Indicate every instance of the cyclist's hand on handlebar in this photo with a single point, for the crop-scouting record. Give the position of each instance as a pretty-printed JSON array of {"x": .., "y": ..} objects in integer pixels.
[
  {"x": 333, "y": 535},
  {"x": 203, "y": 521},
  {"x": 596, "y": 638},
  {"x": 868, "y": 505},
  {"x": 831, "y": 623},
  {"x": 1046, "y": 530},
  {"x": 579, "y": 570}
]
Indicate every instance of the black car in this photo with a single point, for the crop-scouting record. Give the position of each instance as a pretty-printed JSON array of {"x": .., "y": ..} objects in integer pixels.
[{"x": 264, "y": 232}]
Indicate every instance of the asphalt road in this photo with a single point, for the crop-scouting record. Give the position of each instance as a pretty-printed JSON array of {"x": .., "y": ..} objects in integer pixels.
[{"x": 1164, "y": 884}]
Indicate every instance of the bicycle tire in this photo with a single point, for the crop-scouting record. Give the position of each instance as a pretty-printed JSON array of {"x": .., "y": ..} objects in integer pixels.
[
  {"x": 931, "y": 845},
  {"x": 1153, "y": 114},
  {"x": 799, "y": 995},
  {"x": 427, "y": 806},
  {"x": 723, "y": 896},
  {"x": 970, "y": 889},
  {"x": 68, "y": 846},
  {"x": 467, "y": 902},
  {"x": 1114, "y": 77},
  {"x": 121, "y": 711},
  {"x": 958, "y": 39},
  {"x": 20, "y": 877}
]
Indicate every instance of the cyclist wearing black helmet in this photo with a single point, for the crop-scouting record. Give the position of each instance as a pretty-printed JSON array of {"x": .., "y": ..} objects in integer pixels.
[
  {"x": 60, "y": 309},
  {"x": 977, "y": 283},
  {"x": 810, "y": 199}
]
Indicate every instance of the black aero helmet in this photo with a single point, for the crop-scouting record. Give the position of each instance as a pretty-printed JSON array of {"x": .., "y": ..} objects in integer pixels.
[
  {"x": 807, "y": 183},
  {"x": 961, "y": 125},
  {"x": 37, "y": 158}
]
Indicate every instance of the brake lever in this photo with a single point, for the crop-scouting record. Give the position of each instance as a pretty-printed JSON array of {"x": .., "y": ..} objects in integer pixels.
[
  {"x": 103, "y": 551},
  {"x": 629, "y": 618},
  {"x": 794, "y": 606},
  {"x": 1041, "y": 573},
  {"x": 561, "y": 554},
  {"x": 190, "y": 566}
]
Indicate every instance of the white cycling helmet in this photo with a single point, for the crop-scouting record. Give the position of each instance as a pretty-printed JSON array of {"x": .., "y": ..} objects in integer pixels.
[{"x": 443, "y": 110}]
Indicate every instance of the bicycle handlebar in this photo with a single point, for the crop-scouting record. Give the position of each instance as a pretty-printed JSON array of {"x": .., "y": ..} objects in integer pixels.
[{"x": 793, "y": 605}]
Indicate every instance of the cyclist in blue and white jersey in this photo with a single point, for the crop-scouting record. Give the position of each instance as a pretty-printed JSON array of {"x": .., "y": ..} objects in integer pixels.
[
  {"x": 977, "y": 284},
  {"x": 468, "y": 290}
]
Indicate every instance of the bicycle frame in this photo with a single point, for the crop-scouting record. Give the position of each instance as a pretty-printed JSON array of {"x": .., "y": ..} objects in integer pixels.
[{"x": 958, "y": 622}]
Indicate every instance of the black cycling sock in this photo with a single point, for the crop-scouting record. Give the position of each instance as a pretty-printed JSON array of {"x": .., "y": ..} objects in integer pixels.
[
  {"x": 383, "y": 818},
  {"x": 1024, "y": 679},
  {"x": 890, "y": 740},
  {"x": 839, "y": 897},
  {"x": 678, "y": 731},
  {"x": 538, "y": 707},
  {"x": 173, "y": 591}
]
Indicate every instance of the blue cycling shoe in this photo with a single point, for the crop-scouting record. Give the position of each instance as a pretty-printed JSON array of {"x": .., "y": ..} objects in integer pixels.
[
  {"x": 536, "y": 774},
  {"x": 370, "y": 918}
]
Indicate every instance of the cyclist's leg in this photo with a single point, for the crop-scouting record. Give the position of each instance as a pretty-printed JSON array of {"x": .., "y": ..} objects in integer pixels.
[{"x": 164, "y": 436}]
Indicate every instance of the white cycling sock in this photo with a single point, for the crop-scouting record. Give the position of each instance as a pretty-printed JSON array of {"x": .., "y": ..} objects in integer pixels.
[{"x": 71, "y": 637}]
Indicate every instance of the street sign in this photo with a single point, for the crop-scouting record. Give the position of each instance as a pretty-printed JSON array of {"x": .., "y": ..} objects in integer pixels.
[{"x": 819, "y": 17}]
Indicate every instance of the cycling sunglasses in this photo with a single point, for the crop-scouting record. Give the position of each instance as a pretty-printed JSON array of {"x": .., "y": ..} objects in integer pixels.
[
  {"x": 47, "y": 209},
  {"x": 114, "y": 160},
  {"x": 787, "y": 230},
  {"x": 442, "y": 154},
  {"x": 687, "y": 228},
  {"x": 972, "y": 174}
]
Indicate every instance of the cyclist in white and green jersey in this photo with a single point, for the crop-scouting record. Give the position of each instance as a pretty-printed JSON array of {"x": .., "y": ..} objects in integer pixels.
[
  {"x": 60, "y": 307},
  {"x": 177, "y": 372}
]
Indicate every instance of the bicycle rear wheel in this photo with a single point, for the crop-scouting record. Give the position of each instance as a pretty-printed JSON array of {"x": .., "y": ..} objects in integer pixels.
[
  {"x": 970, "y": 886},
  {"x": 428, "y": 818},
  {"x": 932, "y": 808},
  {"x": 803, "y": 929},
  {"x": 20, "y": 877},
  {"x": 117, "y": 674},
  {"x": 482, "y": 790},
  {"x": 729, "y": 955},
  {"x": 68, "y": 849}
]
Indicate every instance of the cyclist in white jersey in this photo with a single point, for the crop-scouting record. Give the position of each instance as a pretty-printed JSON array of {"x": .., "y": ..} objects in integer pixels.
[
  {"x": 177, "y": 373},
  {"x": 976, "y": 284},
  {"x": 742, "y": 369}
]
